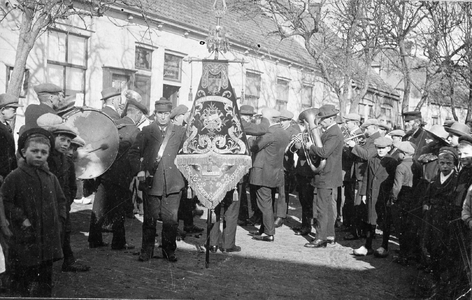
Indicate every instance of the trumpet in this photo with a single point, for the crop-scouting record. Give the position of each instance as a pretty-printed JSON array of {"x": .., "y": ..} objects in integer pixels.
[{"x": 357, "y": 138}]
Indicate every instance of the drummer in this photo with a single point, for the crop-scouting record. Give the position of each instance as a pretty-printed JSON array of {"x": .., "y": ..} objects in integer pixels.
[{"x": 113, "y": 194}]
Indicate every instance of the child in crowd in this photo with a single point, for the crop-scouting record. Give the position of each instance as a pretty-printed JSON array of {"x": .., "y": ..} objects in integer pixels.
[
  {"x": 376, "y": 186},
  {"x": 437, "y": 207},
  {"x": 63, "y": 167},
  {"x": 400, "y": 198},
  {"x": 35, "y": 207},
  {"x": 73, "y": 155}
]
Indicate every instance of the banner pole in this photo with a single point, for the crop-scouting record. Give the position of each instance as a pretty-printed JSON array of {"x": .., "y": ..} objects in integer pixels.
[{"x": 207, "y": 255}]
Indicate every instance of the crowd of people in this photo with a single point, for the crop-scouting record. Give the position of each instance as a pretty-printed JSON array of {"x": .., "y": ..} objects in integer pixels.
[{"x": 363, "y": 176}]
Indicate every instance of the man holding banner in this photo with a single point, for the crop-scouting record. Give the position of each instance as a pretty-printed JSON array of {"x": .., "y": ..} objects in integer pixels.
[{"x": 152, "y": 157}]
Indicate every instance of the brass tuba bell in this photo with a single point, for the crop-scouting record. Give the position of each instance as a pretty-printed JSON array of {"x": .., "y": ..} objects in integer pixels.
[{"x": 308, "y": 116}]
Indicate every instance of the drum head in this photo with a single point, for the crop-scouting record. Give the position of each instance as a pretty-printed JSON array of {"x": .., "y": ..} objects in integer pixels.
[{"x": 101, "y": 142}]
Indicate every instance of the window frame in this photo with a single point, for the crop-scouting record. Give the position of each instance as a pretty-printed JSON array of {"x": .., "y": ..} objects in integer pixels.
[
  {"x": 304, "y": 105},
  {"x": 179, "y": 79},
  {"x": 143, "y": 49},
  {"x": 65, "y": 65}
]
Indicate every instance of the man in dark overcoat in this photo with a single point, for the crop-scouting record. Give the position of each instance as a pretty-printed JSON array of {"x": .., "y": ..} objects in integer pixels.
[
  {"x": 113, "y": 192},
  {"x": 111, "y": 103},
  {"x": 8, "y": 106},
  {"x": 361, "y": 153},
  {"x": 415, "y": 132},
  {"x": 152, "y": 157},
  {"x": 267, "y": 172},
  {"x": 376, "y": 187},
  {"x": 49, "y": 96},
  {"x": 281, "y": 203},
  {"x": 350, "y": 172},
  {"x": 331, "y": 177}
]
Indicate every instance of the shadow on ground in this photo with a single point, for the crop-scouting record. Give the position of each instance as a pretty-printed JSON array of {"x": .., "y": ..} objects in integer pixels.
[{"x": 283, "y": 269}]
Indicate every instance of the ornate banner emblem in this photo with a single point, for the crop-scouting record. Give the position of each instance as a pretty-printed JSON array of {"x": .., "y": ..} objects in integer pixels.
[{"x": 214, "y": 156}]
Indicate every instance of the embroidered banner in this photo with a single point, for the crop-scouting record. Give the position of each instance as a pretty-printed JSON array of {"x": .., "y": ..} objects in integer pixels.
[{"x": 214, "y": 155}]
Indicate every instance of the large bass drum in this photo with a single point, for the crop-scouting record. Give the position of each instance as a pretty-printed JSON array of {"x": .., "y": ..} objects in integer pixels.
[{"x": 101, "y": 141}]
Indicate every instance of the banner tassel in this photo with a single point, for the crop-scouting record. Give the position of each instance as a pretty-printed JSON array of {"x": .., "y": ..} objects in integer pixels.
[{"x": 235, "y": 194}]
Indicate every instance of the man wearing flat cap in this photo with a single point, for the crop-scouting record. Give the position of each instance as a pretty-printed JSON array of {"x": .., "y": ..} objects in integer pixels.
[
  {"x": 179, "y": 115},
  {"x": 331, "y": 177},
  {"x": 281, "y": 208},
  {"x": 252, "y": 130},
  {"x": 113, "y": 197},
  {"x": 8, "y": 106},
  {"x": 111, "y": 103},
  {"x": 384, "y": 128},
  {"x": 396, "y": 136},
  {"x": 267, "y": 172},
  {"x": 50, "y": 96},
  {"x": 350, "y": 173},
  {"x": 375, "y": 189},
  {"x": 362, "y": 153},
  {"x": 152, "y": 158}
]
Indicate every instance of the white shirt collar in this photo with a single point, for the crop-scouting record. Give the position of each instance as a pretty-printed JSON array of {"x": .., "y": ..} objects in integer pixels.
[{"x": 443, "y": 178}]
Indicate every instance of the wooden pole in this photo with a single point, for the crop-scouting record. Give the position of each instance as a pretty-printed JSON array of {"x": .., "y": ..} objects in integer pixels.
[{"x": 207, "y": 256}]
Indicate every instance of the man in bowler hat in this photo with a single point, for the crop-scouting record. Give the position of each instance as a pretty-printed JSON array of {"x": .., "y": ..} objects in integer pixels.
[{"x": 111, "y": 103}]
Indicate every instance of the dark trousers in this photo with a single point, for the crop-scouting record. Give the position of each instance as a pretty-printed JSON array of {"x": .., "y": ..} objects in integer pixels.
[
  {"x": 227, "y": 212},
  {"x": 90, "y": 186},
  {"x": 32, "y": 281},
  {"x": 264, "y": 202},
  {"x": 257, "y": 214},
  {"x": 186, "y": 209},
  {"x": 168, "y": 207},
  {"x": 281, "y": 203},
  {"x": 281, "y": 206},
  {"x": 243, "y": 199},
  {"x": 385, "y": 219},
  {"x": 370, "y": 233},
  {"x": 348, "y": 212},
  {"x": 326, "y": 213},
  {"x": 306, "y": 195},
  {"x": 109, "y": 204},
  {"x": 359, "y": 224},
  {"x": 66, "y": 247}
]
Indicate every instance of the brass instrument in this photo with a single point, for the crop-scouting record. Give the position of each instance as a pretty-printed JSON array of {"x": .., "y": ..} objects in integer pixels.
[
  {"x": 359, "y": 139},
  {"x": 308, "y": 116},
  {"x": 356, "y": 138}
]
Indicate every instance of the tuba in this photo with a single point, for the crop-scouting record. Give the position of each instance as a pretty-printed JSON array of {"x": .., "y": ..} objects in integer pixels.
[{"x": 308, "y": 116}]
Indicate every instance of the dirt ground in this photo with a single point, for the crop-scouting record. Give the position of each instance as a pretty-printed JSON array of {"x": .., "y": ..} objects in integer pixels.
[{"x": 283, "y": 269}]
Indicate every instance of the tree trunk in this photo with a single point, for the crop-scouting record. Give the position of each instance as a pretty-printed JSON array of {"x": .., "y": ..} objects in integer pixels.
[
  {"x": 424, "y": 98},
  {"x": 29, "y": 32},
  {"x": 453, "y": 109},
  {"x": 406, "y": 77}
]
